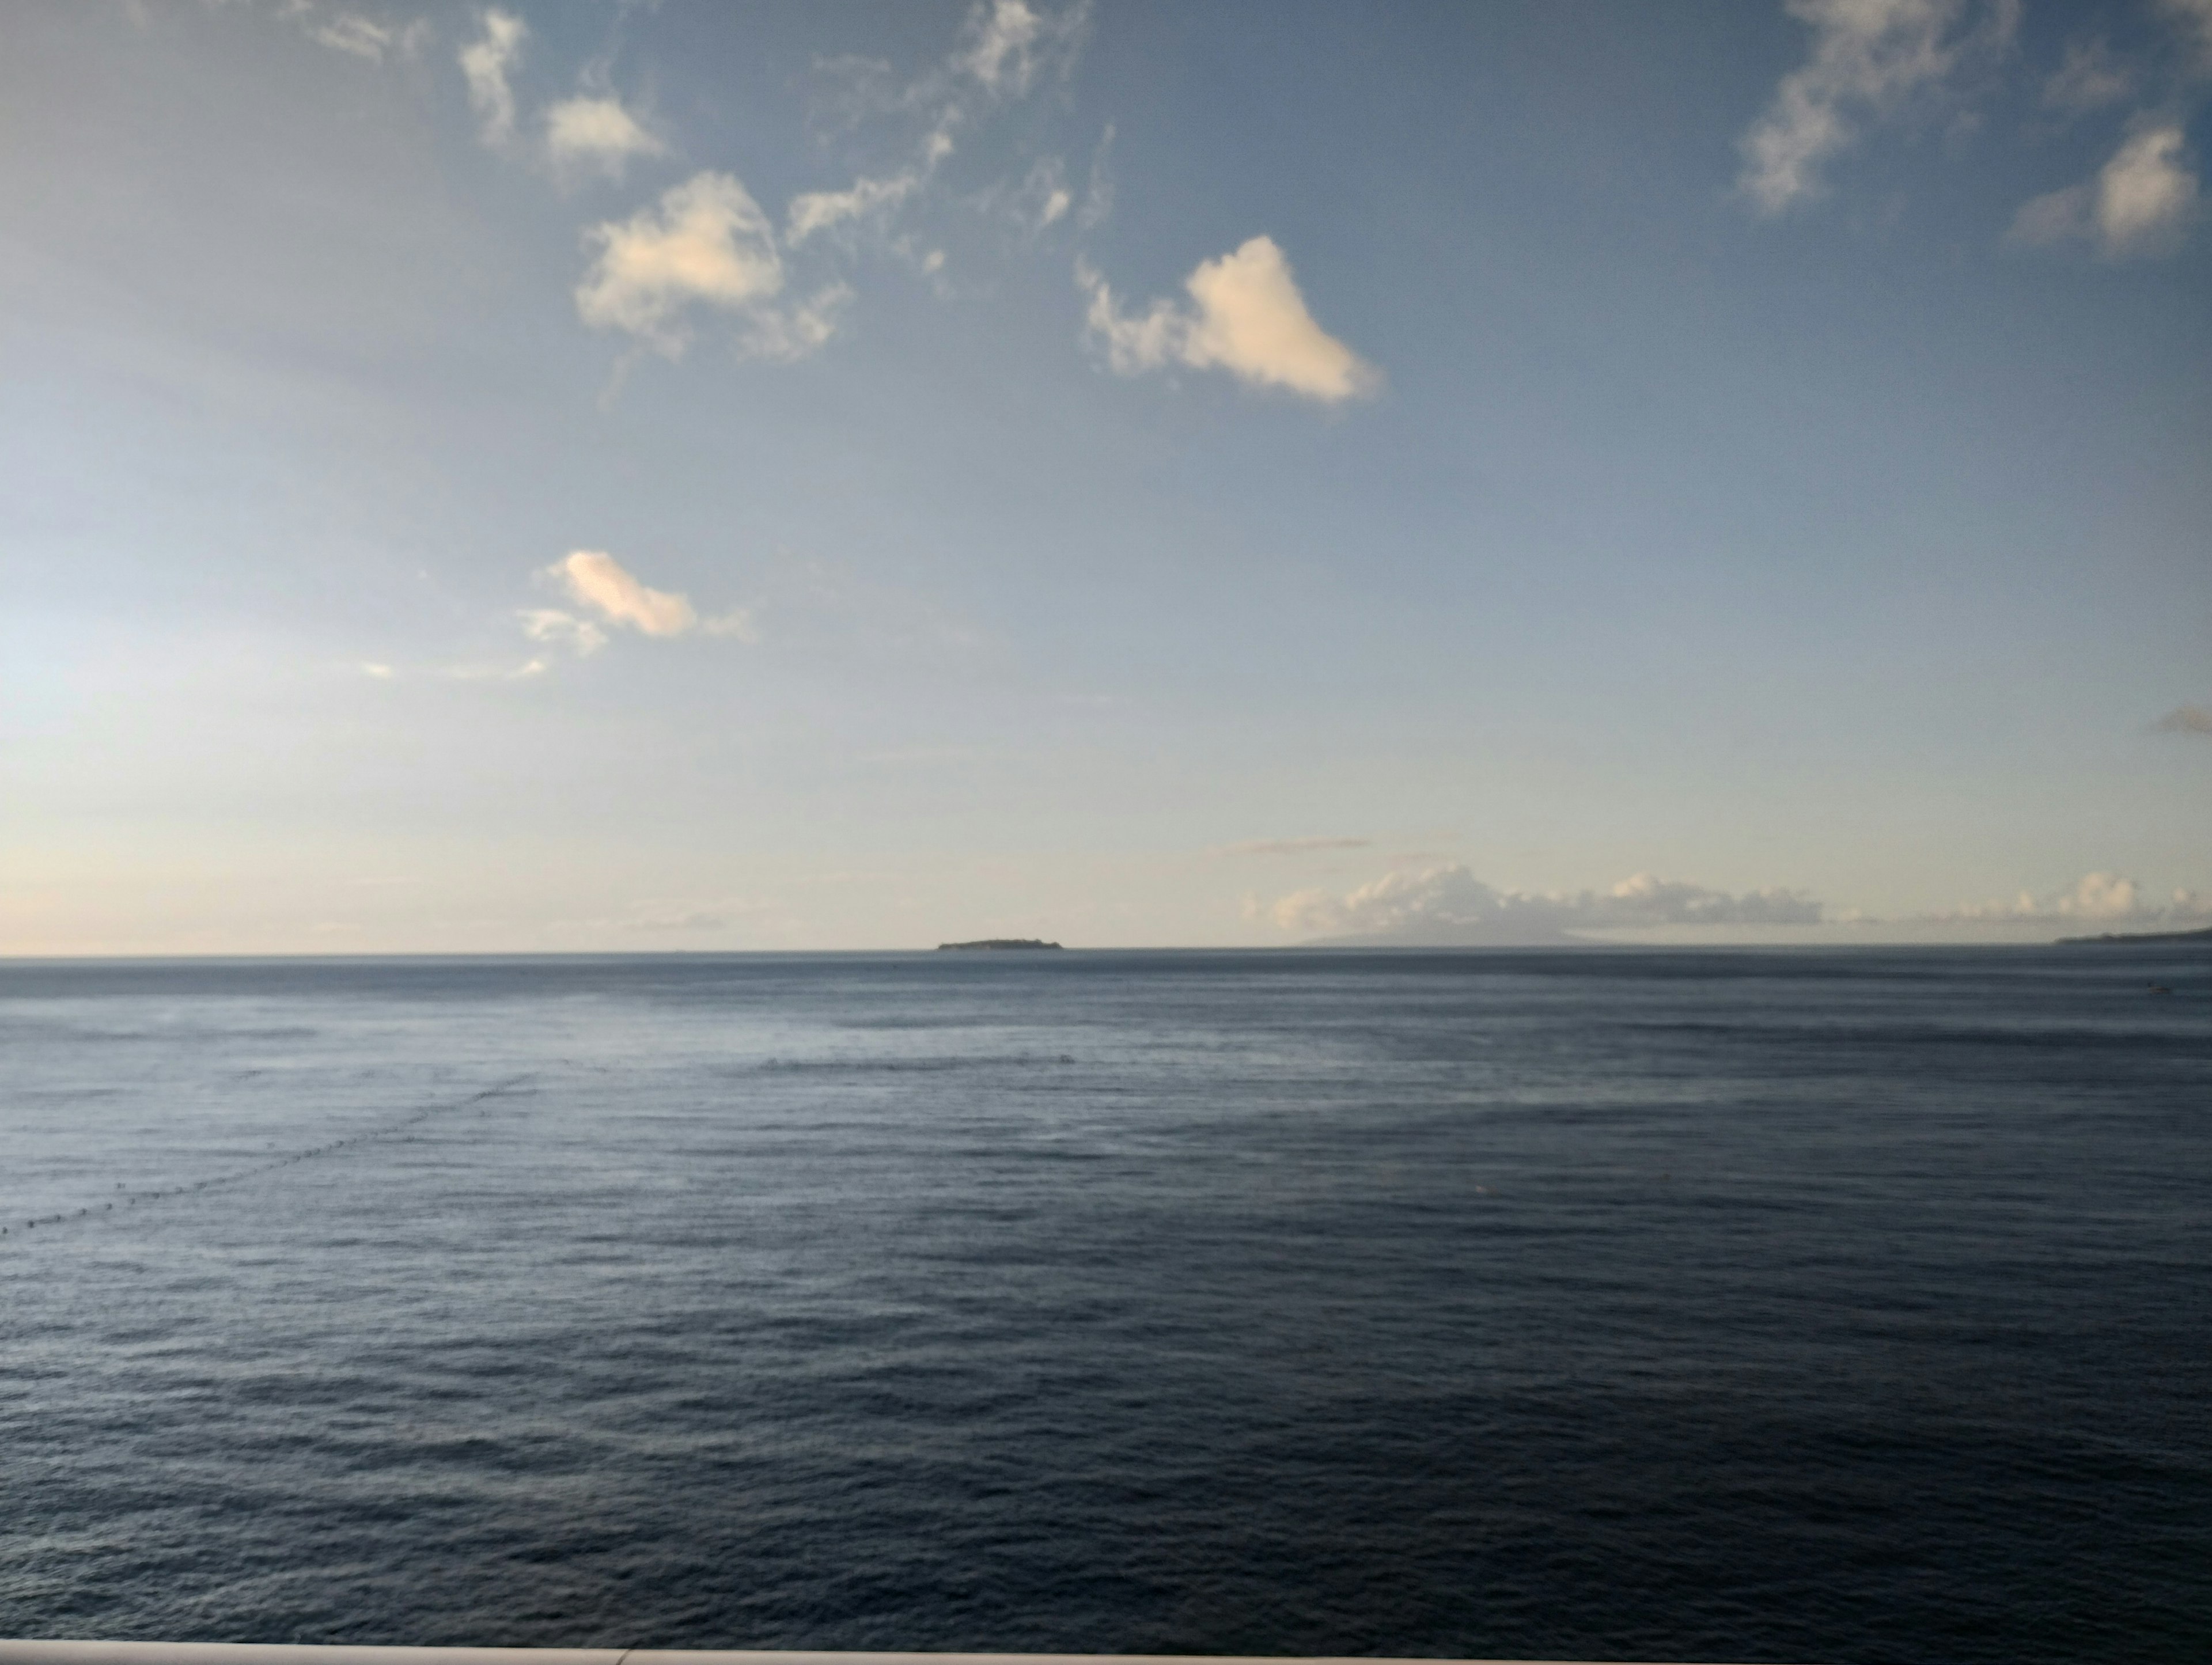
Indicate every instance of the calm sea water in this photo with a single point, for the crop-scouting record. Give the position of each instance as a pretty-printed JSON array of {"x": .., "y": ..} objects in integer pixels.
[{"x": 1834, "y": 1306}]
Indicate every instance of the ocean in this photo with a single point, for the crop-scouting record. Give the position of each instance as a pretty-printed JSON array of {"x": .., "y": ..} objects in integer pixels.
[{"x": 1782, "y": 1305}]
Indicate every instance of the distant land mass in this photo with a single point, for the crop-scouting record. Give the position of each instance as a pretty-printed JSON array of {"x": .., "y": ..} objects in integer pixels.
[
  {"x": 996, "y": 942},
  {"x": 1454, "y": 934},
  {"x": 2203, "y": 935}
]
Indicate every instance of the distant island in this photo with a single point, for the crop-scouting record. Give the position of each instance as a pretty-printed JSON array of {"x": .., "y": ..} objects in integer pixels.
[
  {"x": 2205, "y": 935},
  {"x": 995, "y": 942}
]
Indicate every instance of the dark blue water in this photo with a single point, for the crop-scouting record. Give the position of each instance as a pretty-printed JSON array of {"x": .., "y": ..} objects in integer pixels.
[{"x": 1838, "y": 1306}]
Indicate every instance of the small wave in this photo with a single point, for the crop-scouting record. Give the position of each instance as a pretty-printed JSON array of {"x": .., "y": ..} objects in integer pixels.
[
  {"x": 373, "y": 1136},
  {"x": 913, "y": 1065}
]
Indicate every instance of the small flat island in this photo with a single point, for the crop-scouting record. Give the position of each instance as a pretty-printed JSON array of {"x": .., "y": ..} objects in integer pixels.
[{"x": 995, "y": 942}]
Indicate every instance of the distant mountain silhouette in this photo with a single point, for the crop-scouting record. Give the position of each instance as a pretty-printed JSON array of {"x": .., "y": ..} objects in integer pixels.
[{"x": 2205, "y": 935}]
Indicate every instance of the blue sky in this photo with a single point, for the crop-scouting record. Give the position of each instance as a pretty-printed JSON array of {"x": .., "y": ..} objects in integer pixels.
[{"x": 683, "y": 475}]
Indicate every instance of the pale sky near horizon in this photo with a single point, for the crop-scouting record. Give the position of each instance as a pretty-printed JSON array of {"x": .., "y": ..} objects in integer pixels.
[{"x": 597, "y": 476}]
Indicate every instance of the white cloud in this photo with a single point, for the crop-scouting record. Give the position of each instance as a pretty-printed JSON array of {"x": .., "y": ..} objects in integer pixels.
[
  {"x": 2089, "y": 79},
  {"x": 707, "y": 243},
  {"x": 2100, "y": 898},
  {"x": 2100, "y": 895},
  {"x": 598, "y": 582},
  {"x": 1011, "y": 43},
  {"x": 1447, "y": 906},
  {"x": 1004, "y": 30},
  {"x": 1868, "y": 57},
  {"x": 486, "y": 62},
  {"x": 1245, "y": 316},
  {"x": 596, "y": 134},
  {"x": 2185, "y": 720},
  {"x": 1441, "y": 906},
  {"x": 2139, "y": 203},
  {"x": 1645, "y": 899},
  {"x": 2146, "y": 192},
  {"x": 1292, "y": 845}
]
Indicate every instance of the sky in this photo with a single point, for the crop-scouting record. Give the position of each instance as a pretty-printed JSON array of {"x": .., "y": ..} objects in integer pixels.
[{"x": 592, "y": 477}]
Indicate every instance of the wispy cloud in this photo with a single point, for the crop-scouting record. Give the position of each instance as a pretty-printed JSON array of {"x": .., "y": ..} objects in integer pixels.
[
  {"x": 865, "y": 199},
  {"x": 2193, "y": 19},
  {"x": 1870, "y": 57},
  {"x": 2184, "y": 720},
  {"x": 1010, "y": 44},
  {"x": 349, "y": 32},
  {"x": 1035, "y": 202},
  {"x": 357, "y": 34},
  {"x": 2089, "y": 79},
  {"x": 1447, "y": 905},
  {"x": 596, "y": 134},
  {"x": 1245, "y": 316},
  {"x": 557, "y": 629},
  {"x": 487, "y": 61},
  {"x": 708, "y": 247},
  {"x": 2139, "y": 204},
  {"x": 1292, "y": 845},
  {"x": 1098, "y": 195},
  {"x": 706, "y": 243},
  {"x": 476, "y": 670},
  {"x": 1007, "y": 49}
]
